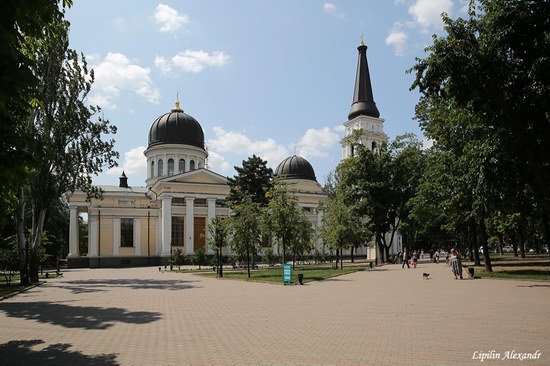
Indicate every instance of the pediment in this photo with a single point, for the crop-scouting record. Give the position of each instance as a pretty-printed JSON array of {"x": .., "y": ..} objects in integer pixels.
[{"x": 198, "y": 176}]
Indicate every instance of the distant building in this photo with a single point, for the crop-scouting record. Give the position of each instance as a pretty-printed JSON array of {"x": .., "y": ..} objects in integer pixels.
[{"x": 134, "y": 226}]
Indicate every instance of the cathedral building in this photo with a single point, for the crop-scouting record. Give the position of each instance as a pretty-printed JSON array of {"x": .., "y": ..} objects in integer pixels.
[{"x": 137, "y": 226}]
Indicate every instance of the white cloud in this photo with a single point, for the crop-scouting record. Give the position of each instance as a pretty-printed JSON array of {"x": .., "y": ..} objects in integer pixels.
[
  {"x": 217, "y": 163},
  {"x": 164, "y": 65},
  {"x": 331, "y": 9},
  {"x": 314, "y": 143},
  {"x": 427, "y": 13},
  {"x": 398, "y": 39},
  {"x": 169, "y": 19},
  {"x": 196, "y": 61},
  {"x": 240, "y": 144},
  {"x": 117, "y": 73},
  {"x": 191, "y": 61},
  {"x": 134, "y": 162}
]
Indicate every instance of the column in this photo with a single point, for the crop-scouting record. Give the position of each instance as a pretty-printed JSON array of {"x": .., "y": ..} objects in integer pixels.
[
  {"x": 137, "y": 237},
  {"x": 166, "y": 225},
  {"x": 73, "y": 232},
  {"x": 189, "y": 225},
  {"x": 187, "y": 163},
  {"x": 92, "y": 235},
  {"x": 158, "y": 231},
  {"x": 165, "y": 166},
  {"x": 210, "y": 216},
  {"x": 116, "y": 236}
]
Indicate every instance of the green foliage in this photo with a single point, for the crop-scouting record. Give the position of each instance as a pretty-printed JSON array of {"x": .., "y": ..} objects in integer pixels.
[
  {"x": 379, "y": 185},
  {"x": 218, "y": 239},
  {"x": 199, "y": 258},
  {"x": 245, "y": 229},
  {"x": 288, "y": 223},
  {"x": 17, "y": 25},
  {"x": 178, "y": 257},
  {"x": 269, "y": 256},
  {"x": 253, "y": 181},
  {"x": 484, "y": 87}
]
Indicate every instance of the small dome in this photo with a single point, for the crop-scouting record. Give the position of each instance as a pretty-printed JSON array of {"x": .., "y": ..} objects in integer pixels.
[
  {"x": 176, "y": 127},
  {"x": 295, "y": 167}
]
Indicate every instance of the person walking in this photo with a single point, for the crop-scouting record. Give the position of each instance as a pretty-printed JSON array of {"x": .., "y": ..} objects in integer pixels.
[
  {"x": 436, "y": 257},
  {"x": 456, "y": 264},
  {"x": 405, "y": 259},
  {"x": 414, "y": 259}
]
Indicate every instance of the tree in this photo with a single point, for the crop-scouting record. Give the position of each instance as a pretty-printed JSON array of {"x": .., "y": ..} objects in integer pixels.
[
  {"x": 245, "y": 229},
  {"x": 283, "y": 214},
  {"x": 341, "y": 227},
  {"x": 484, "y": 86},
  {"x": 67, "y": 146},
  {"x": 253, "y": 181},
  {"x": 382, "y": 182},
  {"x": 18, "y": 81},
  {"x": 301, "y": 240},
  {"x": 218, "y": 239}
]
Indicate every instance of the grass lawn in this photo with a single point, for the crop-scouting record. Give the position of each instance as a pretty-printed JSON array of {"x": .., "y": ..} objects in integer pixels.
[
  {"x": 6, "y": 290},
  {"x": 15, "y": 287},
  {"x": 275, "y": 275},
  {"x": 533, "y": 267}
]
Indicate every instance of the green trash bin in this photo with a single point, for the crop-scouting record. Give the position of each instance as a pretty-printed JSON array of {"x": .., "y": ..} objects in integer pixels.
[
  {"x": 301, "y": 278},
  {"x": 471, "y": 271}
]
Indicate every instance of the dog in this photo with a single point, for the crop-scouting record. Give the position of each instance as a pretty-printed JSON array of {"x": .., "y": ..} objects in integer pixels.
[{"x": 425, "y": 276}]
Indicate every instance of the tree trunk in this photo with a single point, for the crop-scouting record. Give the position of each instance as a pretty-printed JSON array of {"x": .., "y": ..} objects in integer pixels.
[
  {"x": 501, "y": 243},
  {"x": 248, "y": 260},
  {"x": 521, "y": 232},
  {"x": 21, "y": 240},
  {"x": 337, "y": 257},
  {"x": 352, "y": 260},
  {"x": 34, "y": 262},
  {"x": 514, "y": 244},
  {"x": 342, "y": 261},
  {"x": 220, "y": 264},
  {"x": 546, "y": 225},
  {"x": 483, "y": 237},
  {"x": 475, "y": 245},
  {"x": 470, "y": 250}
]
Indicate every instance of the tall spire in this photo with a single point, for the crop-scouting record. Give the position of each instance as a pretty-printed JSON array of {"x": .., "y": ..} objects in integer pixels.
[{"x": 363, "y": 101}]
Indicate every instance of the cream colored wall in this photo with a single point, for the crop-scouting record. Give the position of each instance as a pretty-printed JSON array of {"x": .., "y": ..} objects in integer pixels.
[
  {"x": 152, "y": 236},
  {"x": 105, "y": 243}
]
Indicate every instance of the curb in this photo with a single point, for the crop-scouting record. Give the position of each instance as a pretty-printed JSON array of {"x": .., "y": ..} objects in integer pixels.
[{"x": 22, "y": 290}]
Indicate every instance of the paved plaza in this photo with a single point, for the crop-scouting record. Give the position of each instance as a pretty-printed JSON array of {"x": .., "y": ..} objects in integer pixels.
[{"x": 386, "y": 316}]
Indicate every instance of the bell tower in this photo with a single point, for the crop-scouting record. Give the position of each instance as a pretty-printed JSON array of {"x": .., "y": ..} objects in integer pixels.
[{"x": 364, "y": 114}]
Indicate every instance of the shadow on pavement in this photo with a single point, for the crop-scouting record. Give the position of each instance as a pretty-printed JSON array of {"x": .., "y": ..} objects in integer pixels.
[
  {"x": 85, "y": 286},
  {"x": 533, "y": 285},
  {"x": 20, "y": 353},
  {"x": 86, "y": 317}
]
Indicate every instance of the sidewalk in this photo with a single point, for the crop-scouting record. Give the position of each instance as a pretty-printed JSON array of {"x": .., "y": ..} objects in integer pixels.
[{"x": 385, "y": 316}]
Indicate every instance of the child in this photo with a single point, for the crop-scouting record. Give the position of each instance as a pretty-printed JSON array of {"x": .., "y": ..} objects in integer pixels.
[{"x": 414, "y": 260}]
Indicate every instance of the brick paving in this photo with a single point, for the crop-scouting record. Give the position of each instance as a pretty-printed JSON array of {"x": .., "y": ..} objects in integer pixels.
[{"x": 387, "y": 316}]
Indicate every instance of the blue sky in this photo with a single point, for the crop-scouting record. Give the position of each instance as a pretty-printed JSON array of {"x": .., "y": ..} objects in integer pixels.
[{"x": 261, "y": 77}]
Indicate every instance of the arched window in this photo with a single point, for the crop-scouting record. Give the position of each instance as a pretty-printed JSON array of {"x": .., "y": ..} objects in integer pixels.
[
  {"x": 373, "y": 146},
  {"x": 152, "y": 169},
  {"x": 181, "y": 166},
  {"x": 352, "y": 150},
  {"x": 170, "y": 166},
  {"x": 160, "y": 168},
  {"x": 192, "y": 165}
]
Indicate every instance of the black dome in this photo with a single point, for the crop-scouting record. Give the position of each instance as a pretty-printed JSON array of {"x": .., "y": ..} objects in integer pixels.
[
  {"x": 295, "y": 167},
  {"x": 176, "y": 127}
]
